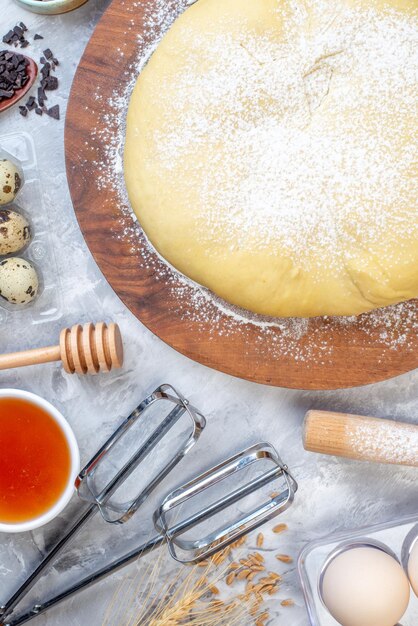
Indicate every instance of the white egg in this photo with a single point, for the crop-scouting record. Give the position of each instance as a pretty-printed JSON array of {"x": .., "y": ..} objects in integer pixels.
[
  {"x": 19, "y": 281},
  {"x": 413, "y": 567},
  {"x": 10, "y": 181},
  {"x": 364, "y": 586},
  {"x": 15, "y": 232}
]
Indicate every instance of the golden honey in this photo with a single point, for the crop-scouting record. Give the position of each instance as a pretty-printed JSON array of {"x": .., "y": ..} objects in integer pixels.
[{"x": 35, "y": 461}]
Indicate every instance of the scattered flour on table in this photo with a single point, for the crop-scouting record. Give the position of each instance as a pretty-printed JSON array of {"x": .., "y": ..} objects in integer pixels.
[{"x": 301, "y": 339}]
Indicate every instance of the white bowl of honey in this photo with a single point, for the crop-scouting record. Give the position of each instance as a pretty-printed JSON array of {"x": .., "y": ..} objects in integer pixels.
[{"x": 39, "y": 461}]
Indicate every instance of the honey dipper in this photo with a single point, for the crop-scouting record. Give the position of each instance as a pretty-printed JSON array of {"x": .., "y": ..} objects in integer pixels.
[{"x": 87, "y": 349}]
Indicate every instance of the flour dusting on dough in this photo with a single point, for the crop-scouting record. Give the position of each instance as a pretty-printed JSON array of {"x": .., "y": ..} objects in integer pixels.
[
  {"x": 392, "y": 327},
  {"x": 279, "y": 151}
]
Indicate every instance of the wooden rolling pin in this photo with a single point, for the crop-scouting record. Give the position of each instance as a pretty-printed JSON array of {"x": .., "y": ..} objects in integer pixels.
[
  {"x": 87, "y": 349},
  {"x": 361, "y": 438}
]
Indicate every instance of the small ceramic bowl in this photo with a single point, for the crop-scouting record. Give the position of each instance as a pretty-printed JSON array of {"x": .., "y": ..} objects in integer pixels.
[
  {"x": 68, "y": 492},
  {"x": 50, "y": 7}
]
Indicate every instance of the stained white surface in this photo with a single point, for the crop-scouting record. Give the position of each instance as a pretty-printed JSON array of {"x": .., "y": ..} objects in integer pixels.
[{"x": 333, "y": 494}]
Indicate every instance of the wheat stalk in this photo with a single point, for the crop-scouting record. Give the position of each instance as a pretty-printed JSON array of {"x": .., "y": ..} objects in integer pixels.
[{"x": 192, "y": 598}]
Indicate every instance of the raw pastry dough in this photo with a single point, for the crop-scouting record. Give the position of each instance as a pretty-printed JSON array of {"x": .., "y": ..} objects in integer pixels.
[{"x": 270, "y": 152}]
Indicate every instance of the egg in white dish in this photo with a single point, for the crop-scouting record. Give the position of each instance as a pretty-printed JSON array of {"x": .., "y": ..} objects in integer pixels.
[{"x": 365, "y": 586}]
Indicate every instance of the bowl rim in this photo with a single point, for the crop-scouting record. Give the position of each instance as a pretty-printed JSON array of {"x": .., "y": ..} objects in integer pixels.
[
  {"x": 71, "y": 440},
  {"x": 53, "y": 4}
]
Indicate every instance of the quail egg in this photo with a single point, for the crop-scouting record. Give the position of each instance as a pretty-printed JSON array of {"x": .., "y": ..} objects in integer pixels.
[
  {"x": 10, "y": 181},
  {"x": 15, "y": 231},
  {"x": 19, "y": 282}
]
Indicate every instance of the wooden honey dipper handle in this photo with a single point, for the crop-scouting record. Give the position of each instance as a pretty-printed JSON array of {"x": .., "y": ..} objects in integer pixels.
[
  {"x": 87, "y": 349},
  {"x": 361, "y": 438}
]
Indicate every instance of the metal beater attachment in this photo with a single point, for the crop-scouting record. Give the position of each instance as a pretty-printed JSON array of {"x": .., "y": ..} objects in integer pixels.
[
  {"x": 195, "y": 520},
  {"x": 90, "y": 482},
  {"x": 206, "y": 504}
]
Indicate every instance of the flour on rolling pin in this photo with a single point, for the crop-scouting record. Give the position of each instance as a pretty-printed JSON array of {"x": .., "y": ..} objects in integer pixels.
[
  {"x": 361, "y": 438},
  {"x": 384, "y": 444}
]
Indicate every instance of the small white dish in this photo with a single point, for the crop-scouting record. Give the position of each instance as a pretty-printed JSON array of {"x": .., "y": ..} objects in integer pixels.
[
  {"x": 50, "y": 7},
  {"x": 67, "y": 493}
]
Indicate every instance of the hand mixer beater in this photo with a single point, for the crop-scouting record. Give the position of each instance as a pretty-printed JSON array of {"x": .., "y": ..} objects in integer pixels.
[{"x": 194, "y": 520}]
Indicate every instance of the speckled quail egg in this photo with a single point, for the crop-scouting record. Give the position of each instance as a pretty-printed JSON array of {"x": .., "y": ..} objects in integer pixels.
[
  {"x": 19, "y": 281},
  {"x": 15, "y": 232},
  {"x": 10, "y": 181}
]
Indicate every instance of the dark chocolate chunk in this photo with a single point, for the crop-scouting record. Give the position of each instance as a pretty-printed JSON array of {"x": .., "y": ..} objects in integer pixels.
[
  {"x": 54, "y": 112},
  {"x": 45, "y": 70},
  {"x": 38, "y": 111},
  {"x": 13, "y": 73},
  {"x": 7, "y": 38},
  {"x": 16, "y": 36},
  {"x": 41, "y": 96},
  {"x": 23, "y": 111},
  {"x": 31, "y": 103},
  {"x": 51, "y": 83},
  {"x": 48, "y": 54},
  {"x": 37, "y": 36}
]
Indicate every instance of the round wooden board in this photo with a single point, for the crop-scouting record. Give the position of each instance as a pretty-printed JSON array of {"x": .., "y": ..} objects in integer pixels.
[{"x": 322, "y": 353}]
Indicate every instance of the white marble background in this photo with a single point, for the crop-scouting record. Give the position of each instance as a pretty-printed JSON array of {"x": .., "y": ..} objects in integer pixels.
[{"x": 333, "y": 494}]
